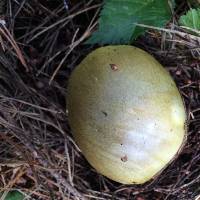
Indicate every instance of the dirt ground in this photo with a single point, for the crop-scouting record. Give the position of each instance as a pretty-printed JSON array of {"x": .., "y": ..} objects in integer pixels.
[{"x": 41, "y": 44}]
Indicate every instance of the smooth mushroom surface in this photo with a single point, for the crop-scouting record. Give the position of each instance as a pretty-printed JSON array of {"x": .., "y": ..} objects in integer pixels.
[{"x": 126, "y": 113}]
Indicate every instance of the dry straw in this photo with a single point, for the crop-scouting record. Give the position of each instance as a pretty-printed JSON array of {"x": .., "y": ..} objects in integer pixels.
[{"x": 40, "y": 44}]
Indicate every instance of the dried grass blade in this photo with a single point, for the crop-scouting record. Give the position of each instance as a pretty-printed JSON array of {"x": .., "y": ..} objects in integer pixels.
[{"x": 5, "y": 32}]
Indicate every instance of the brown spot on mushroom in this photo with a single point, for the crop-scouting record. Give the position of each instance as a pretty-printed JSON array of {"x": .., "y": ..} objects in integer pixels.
[
  {"x": 114, "y": 67},
  {"x": 124, "y": 158},
  {"x": 105, "y": 113}
]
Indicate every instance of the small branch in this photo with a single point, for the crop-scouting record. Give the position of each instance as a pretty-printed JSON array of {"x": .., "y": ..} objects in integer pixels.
[
  {"x": 181, "y": 34},
  {"x": 5, "y": 32},
  {"x": 74, "y": 44}
]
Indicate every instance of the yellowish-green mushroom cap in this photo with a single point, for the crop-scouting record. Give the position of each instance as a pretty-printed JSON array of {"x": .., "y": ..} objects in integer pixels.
[{"x": 126, "y": 113}]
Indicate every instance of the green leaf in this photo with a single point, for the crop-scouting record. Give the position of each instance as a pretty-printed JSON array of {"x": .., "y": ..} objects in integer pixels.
[
  {"x": 191, "y": 19},
  {"x": 118, "y": 19},
  {"x": 14, "y": 195}
]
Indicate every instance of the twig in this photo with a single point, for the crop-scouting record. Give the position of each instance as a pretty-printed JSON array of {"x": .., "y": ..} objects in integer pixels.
[
  {"x": 73, "y": 45},
  {"x": 62, "y": 21},
  {"x": 5, "y": 32},
  {"x": 181, "y": 34}
]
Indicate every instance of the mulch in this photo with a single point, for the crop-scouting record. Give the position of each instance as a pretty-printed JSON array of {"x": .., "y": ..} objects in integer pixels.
[{"x": 41, "y": 44}]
